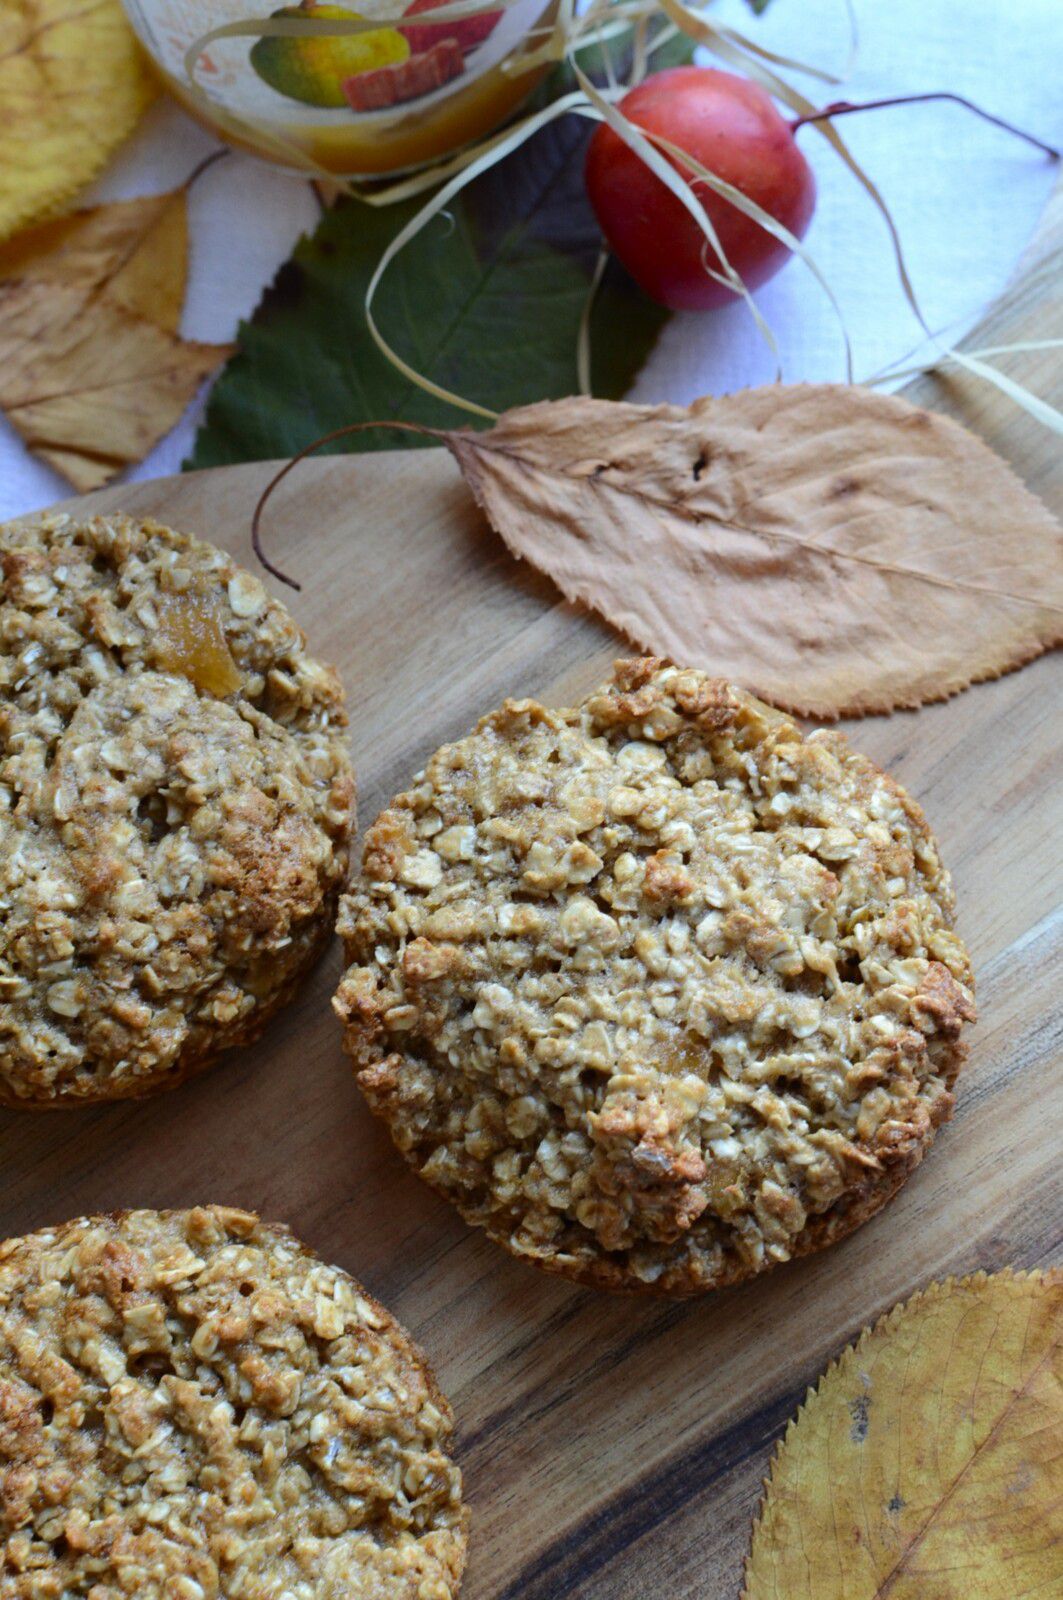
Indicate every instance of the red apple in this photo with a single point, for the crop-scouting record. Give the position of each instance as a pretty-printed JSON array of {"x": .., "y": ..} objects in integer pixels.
[{"x": 732, "y": 127}]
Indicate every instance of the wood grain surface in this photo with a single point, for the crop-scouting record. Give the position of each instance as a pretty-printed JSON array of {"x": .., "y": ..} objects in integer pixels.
[{"x": 611, "y": 1448}]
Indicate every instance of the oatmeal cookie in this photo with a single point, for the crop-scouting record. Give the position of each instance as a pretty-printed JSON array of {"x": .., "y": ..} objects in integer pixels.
[
  {"x": 660, "y": 991},
  {"x": 192, "y": 1405},
  {"x": 175, "y": 807}
]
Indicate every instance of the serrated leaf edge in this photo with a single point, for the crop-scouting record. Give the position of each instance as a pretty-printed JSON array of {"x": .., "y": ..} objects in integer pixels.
[
  {"x": 1048, "y": 1276},
  {"x": 866, "y": 704}
]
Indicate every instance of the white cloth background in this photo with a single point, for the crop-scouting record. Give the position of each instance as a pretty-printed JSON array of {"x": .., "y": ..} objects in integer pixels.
[{"x": 965, "y": 197}]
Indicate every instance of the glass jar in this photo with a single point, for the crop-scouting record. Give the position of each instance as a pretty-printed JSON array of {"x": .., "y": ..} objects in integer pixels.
[{"x": 359, "y": 105}]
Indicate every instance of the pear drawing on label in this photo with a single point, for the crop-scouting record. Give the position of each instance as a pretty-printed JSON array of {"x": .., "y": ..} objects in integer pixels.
[{"x": 314, "y": 68}]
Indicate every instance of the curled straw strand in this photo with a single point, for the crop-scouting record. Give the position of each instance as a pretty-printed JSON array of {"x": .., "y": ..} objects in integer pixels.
[
  {"x": 601, "y": 21},
  {"x": 438, "y": 203},
  {"x": 644, "y": 147},
  {"x": 749, "y": 207},
  {"x": 696, "y": 27}
]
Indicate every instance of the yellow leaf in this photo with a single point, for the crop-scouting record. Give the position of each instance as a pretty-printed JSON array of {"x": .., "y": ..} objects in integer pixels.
[
  {"x": 836, "y": 550},
  {"x": 135, "y": 250},
  {"x": 93, "y": 371},
  {"x": 928, "y": 1464},
  {"x": 72, "y": 86}
]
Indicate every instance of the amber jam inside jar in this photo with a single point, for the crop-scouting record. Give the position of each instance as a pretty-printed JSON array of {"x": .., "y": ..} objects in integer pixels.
[{"x": 358, "y": 104}]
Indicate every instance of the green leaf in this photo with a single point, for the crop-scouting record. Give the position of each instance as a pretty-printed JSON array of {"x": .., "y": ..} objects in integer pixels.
[
  {"x": 758, "y": 5},
  {"x": 486, "y": 301},
  {"x": 666, "y": 48},
  {"x": 676, "y": 51}
]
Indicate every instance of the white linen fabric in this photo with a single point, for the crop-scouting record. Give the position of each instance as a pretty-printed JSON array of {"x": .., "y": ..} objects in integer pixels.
[{"x": 965, "y": 197}]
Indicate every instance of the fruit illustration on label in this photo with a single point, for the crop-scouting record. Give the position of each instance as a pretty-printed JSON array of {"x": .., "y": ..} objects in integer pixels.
[
  {"x": 313, "y": 68},
  {"x": 407, "y": 80},
  {"x": 467, "y": 32}
]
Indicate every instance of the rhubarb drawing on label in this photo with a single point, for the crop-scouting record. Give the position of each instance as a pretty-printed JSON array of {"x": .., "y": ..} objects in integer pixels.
[{"x": 369, "y": 71}]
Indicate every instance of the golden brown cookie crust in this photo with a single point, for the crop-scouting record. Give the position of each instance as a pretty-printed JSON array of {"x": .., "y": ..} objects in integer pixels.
[
  {"x": 193, "y": 1405},
  {"x": 659, "y": 990},
  {"x": 176, "y": 803}
]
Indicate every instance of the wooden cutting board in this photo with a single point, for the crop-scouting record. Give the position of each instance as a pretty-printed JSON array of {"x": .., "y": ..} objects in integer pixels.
[{"x": 611, "y": 1448}]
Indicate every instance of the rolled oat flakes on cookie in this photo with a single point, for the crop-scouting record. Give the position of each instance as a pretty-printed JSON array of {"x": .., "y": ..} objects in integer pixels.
[
  {"x": 176, "y": 804},
  {"x": 659, "y": 990},
  {"x": 194, "y": 1407}
]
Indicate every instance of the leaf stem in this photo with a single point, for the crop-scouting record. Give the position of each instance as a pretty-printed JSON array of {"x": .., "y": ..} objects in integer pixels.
[
  {"x": 308, "y": 450},
  {"x": 207, "y": 162},
  {"x": 841, "y": 108}
]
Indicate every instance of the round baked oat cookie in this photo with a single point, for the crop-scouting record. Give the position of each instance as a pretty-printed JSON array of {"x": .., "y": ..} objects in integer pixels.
[
  {"x": 192, "y": 1405},
  {"x": 660, "y": 991},
  {"x": 175, "y": 807}
]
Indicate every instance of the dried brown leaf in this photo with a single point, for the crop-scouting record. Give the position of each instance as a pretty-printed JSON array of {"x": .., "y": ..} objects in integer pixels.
[
  {"x": 837, "y": 550},
  {"x": 93, "y": 371},
  {"x": 929, "y": 1460}
]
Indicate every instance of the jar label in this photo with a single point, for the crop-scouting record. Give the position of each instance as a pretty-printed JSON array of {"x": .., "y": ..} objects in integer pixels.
[{"x": 406, "y": 67}]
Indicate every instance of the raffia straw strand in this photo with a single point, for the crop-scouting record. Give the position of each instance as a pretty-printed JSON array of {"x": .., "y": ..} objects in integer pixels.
[{"x": 568, "y": 34}]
